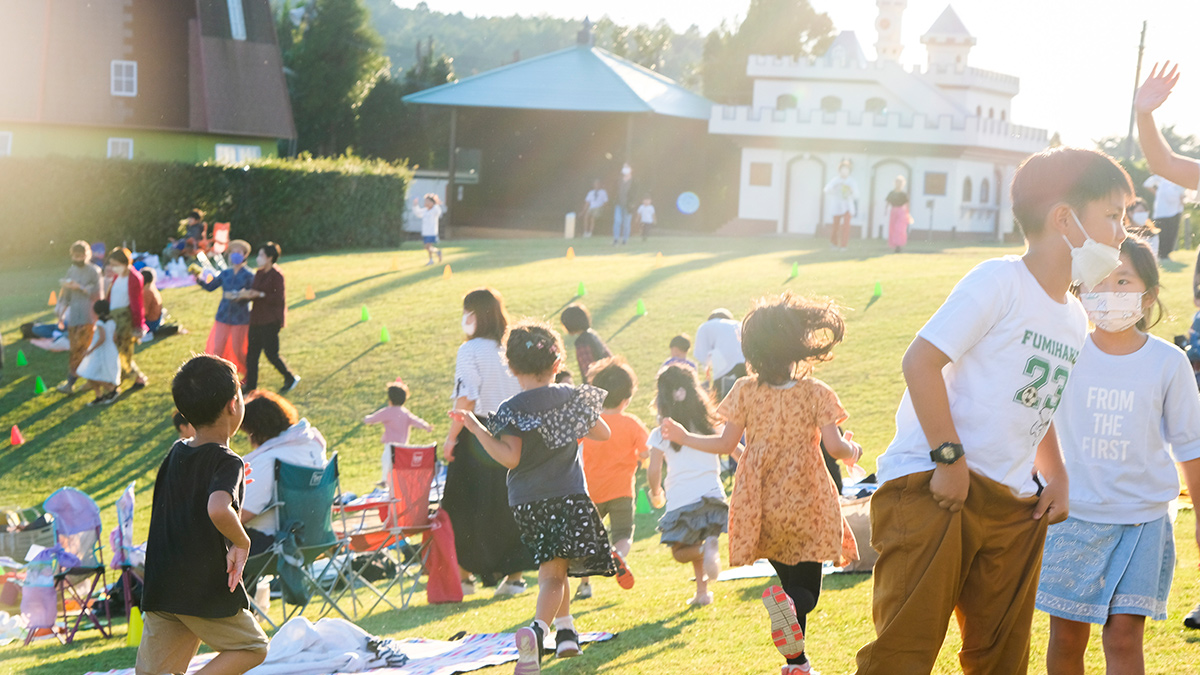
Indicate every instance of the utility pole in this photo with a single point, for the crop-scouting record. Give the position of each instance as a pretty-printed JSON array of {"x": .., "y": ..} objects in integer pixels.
[{"x": 1137, "y": 81}]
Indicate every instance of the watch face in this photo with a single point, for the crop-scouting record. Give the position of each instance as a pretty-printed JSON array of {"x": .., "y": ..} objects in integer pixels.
[{"x": 946, "y": 453}]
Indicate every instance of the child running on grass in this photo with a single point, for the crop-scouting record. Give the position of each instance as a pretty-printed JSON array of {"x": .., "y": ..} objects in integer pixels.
[
  {"x": 589, "y": 346},
  {"x": 610, "y": 466},
  {"x": 959, "y": 520},
  {"x": 197, "y": 547},
  {"x": 397, "y": 422},
  {"x": 695, "y": 499},
  {"x": 784, "y": 506},
  {"x": 536, "y": 436},
  {"x": 1128, "y": 414}
]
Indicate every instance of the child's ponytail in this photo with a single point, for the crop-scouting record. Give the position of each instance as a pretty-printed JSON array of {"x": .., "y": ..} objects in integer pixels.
[{"x": 681, "y": 398}]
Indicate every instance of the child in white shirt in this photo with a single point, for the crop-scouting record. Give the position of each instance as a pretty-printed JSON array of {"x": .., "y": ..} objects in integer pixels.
[
  {"x": 645, "y": 215},
  {"x": 429, "y": 215},
  {"x": 1128, "y": 414}
]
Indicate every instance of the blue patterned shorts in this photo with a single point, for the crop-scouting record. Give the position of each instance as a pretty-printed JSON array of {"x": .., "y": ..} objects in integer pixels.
[{"x": 1093, "y": 570}]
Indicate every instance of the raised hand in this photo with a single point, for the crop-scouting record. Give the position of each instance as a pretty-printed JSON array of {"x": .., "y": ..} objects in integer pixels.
[{"x": 1157, "y": 87}]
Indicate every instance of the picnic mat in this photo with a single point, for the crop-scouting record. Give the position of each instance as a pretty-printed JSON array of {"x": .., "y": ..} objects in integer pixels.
[{"x": 431, "y": 657}]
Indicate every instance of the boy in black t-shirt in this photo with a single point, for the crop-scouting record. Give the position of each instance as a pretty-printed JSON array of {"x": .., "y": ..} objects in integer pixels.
[
  {"x": 589, "y": 347},
  {"x": 197, "y": 546}
]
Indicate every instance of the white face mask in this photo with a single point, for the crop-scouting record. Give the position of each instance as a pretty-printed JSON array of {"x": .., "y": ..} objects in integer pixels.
[
  {"x": 1113, "y": 312},
  {"x": 1093, "y": 261},
  {"x": 1139, "y": 217},
  {"x": 468, "y": 323}
]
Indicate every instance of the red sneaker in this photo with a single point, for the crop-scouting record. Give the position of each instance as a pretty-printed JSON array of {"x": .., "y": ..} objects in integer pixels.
[
  {"x": 785, "y": 629},
  {"x": 624, "y": 576}
]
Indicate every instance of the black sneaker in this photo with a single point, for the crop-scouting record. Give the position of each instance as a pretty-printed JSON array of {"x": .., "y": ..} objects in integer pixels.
[
  {"x": 566, "y": 643},
  {"x": 1193, "y": 620},
  {"x": 109, "y": 398},
  {"x": 289, "y": 385}
]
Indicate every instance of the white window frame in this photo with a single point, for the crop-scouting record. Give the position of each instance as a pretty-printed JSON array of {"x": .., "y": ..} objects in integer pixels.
[
  {"x": 6, "y": 138},
  {"x": 231, "y": 153},
  {"x": 115, "y": 145},
  {"x": 122, "y": 77},
  {"x": 237, "y": 19}
]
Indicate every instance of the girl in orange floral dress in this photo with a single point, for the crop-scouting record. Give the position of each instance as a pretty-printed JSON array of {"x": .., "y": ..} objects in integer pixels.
[{"x": 784, "y": 505}]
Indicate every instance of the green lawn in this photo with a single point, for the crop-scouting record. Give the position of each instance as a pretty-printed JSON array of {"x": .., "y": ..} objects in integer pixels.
[{"x": 345, "y": 368}]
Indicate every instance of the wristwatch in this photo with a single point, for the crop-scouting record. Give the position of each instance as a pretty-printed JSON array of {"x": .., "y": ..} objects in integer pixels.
[{"x": 947, "y": 453}]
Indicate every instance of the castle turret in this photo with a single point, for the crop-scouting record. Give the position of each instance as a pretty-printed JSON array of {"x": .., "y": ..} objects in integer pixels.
[
  {"x": 948, "y": 42},
  {"x": 888, "y": 46}
]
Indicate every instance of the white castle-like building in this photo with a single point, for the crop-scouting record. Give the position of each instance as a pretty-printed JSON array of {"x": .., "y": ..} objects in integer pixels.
[{"x": 946, "y": 128}]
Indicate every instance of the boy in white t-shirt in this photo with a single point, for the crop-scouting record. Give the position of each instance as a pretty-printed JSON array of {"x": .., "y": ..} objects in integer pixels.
[
  {"x": 595, "y": 200},
  {"x": 1180, "y": 170},
  {"x": 959, "y": 520},
  {"x": 645, "y": 216}
]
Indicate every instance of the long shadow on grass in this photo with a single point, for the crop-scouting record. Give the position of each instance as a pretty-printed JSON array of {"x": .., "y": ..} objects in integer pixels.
[
  {"x": 45, "y": 440},
  {"x": 138, "y": 457},
  {"x": 368, "y": 350},
  {"x": 324, "y": 293}
]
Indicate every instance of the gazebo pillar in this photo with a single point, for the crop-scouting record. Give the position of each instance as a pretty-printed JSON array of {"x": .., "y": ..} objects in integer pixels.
[
  {"x": 629, "y": 139},
  {"x": 451, "y": 191}
]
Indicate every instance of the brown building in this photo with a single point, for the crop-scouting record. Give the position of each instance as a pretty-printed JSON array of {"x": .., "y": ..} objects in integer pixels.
[{"x": 166, "y": 80}]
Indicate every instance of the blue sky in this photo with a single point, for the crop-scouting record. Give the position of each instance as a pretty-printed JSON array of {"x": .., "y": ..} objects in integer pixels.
[{"x": 1075, "y": 58}]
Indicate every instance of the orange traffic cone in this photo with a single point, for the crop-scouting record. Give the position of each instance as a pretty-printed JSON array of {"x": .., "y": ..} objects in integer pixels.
[
  {"x": 53, "y": 299},
  {"x": 16, "y": 437},
  {"x": 310, "y": 294}
]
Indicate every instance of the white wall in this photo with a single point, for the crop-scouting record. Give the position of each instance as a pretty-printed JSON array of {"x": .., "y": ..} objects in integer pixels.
[{"x": 761, "y": 202}]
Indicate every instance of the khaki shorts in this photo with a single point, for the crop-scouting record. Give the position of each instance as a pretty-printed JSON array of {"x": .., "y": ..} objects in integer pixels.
[
  {"x": 169, "y": 641},
  {"x": 620, "y": 517}
]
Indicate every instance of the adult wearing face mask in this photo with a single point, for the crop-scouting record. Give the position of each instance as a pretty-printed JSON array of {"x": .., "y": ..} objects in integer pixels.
[
  {"x": 268, "y": 316},
  {"x": 486, "y": 537},
  {"x": 230, "y": 331},
  {"x": 123, "y": 288},
  {"x": 79, "y": 289}
]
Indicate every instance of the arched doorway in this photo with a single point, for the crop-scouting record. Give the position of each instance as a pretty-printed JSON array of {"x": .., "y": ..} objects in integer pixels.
[
  {"x": 804, "y": 201},
  {"x": 883, "y": 181}
]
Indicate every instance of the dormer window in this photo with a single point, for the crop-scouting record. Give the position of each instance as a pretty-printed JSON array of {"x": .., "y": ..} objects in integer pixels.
[
  {"x": 785, "y": 102},
  {"x": 876, "y": 105},
  {"x": 831, "y": 104}
]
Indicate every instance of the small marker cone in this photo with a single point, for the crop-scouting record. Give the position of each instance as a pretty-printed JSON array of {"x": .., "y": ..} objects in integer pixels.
[
  {"x": 366, "y": 316},
  {"x": 21, "y": 358},
  {"x": 310, "y": 294},
  {"x": 658, "y": 259},
  {"x": 16, "y": 437},
  {"x": 581, "y": 291},
  {"x": 878, "y": 290},
  {"x": 641, "y": 308},
  {"x": 53, "y": 299},
  {"x": 795, "y": 270},
  {"x": 446, "y": 273},
  {"x": 643, "y": 503},
  {"x": 134, "y": 637},
  {"x": 39, "y": 387},
  {"x": 570, "y": 253},
  {"x": 384, "y": 335},
  {"x": 395, "y": 264}
]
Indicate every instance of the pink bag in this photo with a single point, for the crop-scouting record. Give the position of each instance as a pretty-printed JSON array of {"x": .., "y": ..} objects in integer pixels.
[{"x": 442, "y": 562}]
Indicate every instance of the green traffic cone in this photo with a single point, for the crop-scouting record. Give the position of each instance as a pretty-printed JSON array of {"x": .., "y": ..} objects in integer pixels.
[
  {"x": 366, "y": 316},
  {"x": 384, "y": 335},
  {"x": 641, "y": 308},
  {"x": 39, "y": 387},
  {"x": 643, "y": 503},
  {"x": 795, "y": 270},
  {"x": 581, "y": 291},
  {"x": 878, "y": 290},
  {"x": 21, "y": 358}
]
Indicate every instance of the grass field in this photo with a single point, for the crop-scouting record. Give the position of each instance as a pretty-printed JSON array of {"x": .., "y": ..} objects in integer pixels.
[{"x": 345, "y": 367}]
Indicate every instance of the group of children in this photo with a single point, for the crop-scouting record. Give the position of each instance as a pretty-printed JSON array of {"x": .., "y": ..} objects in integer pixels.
[{"x": 989, "y": 502}]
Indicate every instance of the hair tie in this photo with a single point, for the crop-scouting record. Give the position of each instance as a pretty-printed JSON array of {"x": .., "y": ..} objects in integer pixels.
[
  {"x": 529, "y": 344},
  {"x": 680, "y": 395}
]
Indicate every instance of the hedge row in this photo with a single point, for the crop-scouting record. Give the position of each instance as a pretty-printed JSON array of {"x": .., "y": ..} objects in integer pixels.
[{"x": 303, "y": 204}]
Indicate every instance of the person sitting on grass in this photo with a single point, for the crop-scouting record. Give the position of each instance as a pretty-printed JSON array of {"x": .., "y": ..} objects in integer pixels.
[
  {"x": 196, "y": 548},
  {"x": 610, "y": 466}
]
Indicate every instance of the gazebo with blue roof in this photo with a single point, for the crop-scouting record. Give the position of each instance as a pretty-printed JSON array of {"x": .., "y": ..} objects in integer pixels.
[{"x": 581, "y": 80}]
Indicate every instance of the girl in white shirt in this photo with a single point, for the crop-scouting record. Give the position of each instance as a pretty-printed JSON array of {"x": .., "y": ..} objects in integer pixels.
[
  {"x": 429, "y": 215},
  {"x": 697, "y": 512},
  {"x": 1128, "y": 413}
]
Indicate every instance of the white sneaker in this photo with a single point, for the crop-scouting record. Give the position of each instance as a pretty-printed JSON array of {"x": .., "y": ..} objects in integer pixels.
[
  {"x": 468, "y": 587},
  {"x": 507, "y": 587}
]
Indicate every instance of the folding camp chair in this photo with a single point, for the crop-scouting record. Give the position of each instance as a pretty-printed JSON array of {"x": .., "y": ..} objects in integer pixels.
[
  {"x": 303, "y": 499},
  {"x": 73, "y": 568},
  {"x": 380, "y": 529},
  {"x": 121, "y": 541}
]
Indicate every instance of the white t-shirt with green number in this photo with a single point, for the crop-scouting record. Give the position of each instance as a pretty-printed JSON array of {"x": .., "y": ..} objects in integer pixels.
[{"x": 1011, "y": 348}]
